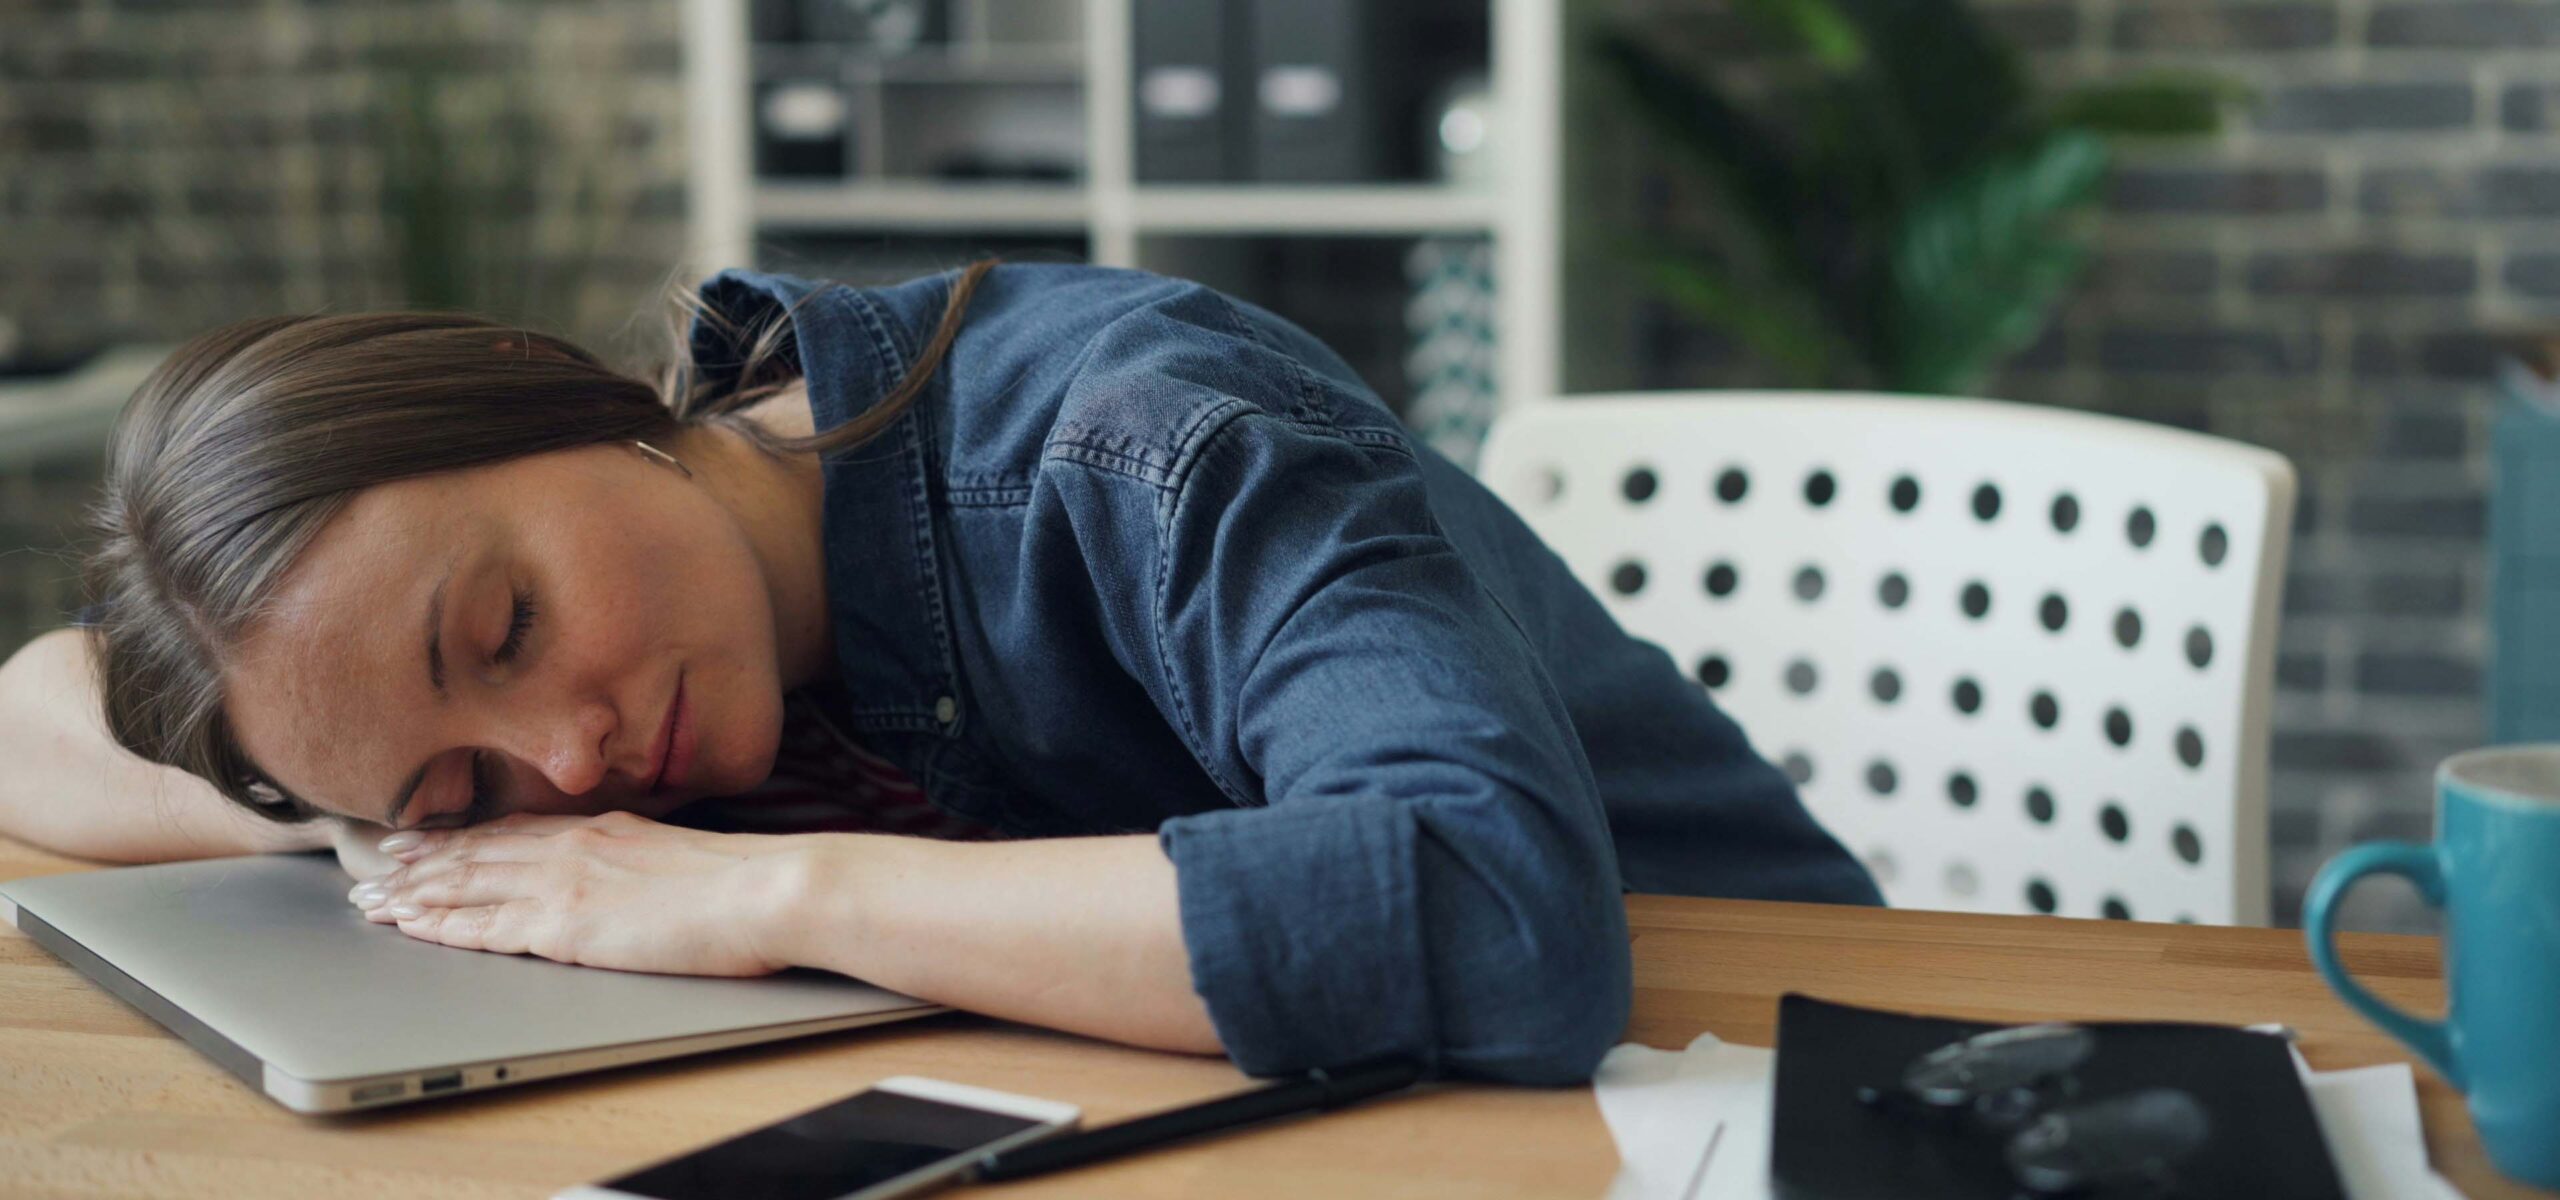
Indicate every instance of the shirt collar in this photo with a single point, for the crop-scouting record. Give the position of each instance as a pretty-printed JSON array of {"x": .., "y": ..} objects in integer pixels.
[{"x": 893, "y": 646}]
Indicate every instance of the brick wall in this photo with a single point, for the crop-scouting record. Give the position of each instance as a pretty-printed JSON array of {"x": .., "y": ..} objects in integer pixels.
[
  {"x": 170, "y": 165},
  {"x": 2327, "y": 278}
]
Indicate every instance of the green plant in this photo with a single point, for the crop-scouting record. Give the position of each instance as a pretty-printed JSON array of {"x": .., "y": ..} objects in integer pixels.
[{"x": 1898, "y": 207}]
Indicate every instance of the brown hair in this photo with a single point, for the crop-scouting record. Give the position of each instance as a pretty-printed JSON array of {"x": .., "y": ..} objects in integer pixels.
[{"x": 239, "y": 447}]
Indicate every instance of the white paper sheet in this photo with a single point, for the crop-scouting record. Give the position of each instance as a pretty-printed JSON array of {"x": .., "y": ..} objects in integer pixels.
[
  {"x": 2369, "y": 1115},
  {"x": 1694, "y": 1124},
  {"x": 1690, "y": 1124}
]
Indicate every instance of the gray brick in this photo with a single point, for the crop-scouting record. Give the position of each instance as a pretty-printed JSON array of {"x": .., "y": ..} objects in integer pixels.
[
  {"x": 2415, "y": 824},
  {"x": 2423, "y": 435},
  {"x": 2301, "y": 672},
  {"x": 2313, "y": 595},
  {"x": 2468, "y": 25},
  {"x": 2534, "y": 274},
  {"x": 2139, "y": 189},
  {"x": 2465, "y": 355},
  {"x": 49, "y": 132},
  {"x": 2417, "y": 595},
  {"x": 2366, "y": 107},
  {"x": 229, "y": 198},
  {"x": 2393, "y": 674},
  {"x": 2208, "y": 350},
  {"x": 2430, "y": 516},
  {"x": 2191, "y": 25},
  {"x": 2498, "y": 191},
  {"x": 2361, "y": 272},
  {"x": 2530, "y": 107},
  {"x": 2333, "y": 750},
  {"x": 2294, "y": 827}
]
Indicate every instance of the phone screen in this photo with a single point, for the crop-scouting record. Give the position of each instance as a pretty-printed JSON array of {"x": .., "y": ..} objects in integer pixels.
[{"x": 846, "y": 1146}]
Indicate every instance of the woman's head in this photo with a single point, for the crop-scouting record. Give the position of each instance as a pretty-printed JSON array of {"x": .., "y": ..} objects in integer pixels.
[{"x": 347, "y": 559}]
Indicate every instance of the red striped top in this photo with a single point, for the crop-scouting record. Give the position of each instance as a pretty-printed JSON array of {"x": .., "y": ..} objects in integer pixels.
[{"x": 824, "y": 780}]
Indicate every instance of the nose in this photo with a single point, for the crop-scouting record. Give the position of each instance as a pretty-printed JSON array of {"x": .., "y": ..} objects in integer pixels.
[{"x": 567, "y": 746}]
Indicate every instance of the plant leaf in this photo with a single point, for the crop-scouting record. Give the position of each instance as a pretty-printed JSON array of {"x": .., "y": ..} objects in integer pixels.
[
  {"x": 2153, "y": 106},
  {"x": 1784, "y": 327},
  {"x": 1979, "y": 262},
  {"x": 1746, "y": 160},
  {"x": 1957, "y": 87},
  {"x": 1816, "y": 28}
]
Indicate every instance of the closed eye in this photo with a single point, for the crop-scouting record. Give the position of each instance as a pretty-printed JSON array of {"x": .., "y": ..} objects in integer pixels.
[
  {"x": 484, "y": 798},
  {"x": 519, "y": 621}
]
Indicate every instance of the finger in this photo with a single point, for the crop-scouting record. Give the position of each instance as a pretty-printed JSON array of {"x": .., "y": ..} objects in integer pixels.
[
  {"x": 538, "y": 824},
  {"x": 496, "y": 928},
  {"x": 461, "y": 845},
  {"x": 465, "y": 883},
  {"x": 357, "y": 845},
  {"x": 413, "y": 843}
]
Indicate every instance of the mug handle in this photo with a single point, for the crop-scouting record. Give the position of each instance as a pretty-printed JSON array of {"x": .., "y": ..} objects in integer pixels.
[{"x": 2417, "y": 864}]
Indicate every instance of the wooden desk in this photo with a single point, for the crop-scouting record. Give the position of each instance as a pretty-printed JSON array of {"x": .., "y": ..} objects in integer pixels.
[{"x": 96, "y": 1100}]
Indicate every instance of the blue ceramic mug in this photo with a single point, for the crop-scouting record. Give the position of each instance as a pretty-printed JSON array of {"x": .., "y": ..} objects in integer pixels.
[{"x": 2494, "y": 869}]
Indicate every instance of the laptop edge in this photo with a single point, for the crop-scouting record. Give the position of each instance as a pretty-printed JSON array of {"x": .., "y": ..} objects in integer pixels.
[{"x": 348, "y": 1095}]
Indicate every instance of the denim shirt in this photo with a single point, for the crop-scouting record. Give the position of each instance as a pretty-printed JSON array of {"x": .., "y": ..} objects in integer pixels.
[{"x": 1148, "y": 559}]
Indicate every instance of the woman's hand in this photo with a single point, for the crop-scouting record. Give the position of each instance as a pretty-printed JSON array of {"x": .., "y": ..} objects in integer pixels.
[
  {"x": 616, "y": 890},
  {"x": 358, "y": 853}
]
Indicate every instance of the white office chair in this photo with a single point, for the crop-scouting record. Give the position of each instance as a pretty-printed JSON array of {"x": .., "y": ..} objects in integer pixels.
[{"x": 2017, "y": 657}]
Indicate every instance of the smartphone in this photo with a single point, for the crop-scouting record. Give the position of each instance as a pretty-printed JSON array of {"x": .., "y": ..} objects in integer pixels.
[{"x": 902, "y": 1136}]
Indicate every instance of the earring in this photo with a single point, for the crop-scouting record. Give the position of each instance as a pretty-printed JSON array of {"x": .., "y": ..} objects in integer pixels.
[{"x": 663, "y": 456}]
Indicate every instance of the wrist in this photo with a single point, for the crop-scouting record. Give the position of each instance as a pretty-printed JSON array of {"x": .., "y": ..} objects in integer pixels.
[{"x": 815, "y": 912}]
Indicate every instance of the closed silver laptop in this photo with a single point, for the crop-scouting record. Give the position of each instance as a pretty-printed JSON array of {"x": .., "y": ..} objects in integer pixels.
[{"x": 261, "y": 964}]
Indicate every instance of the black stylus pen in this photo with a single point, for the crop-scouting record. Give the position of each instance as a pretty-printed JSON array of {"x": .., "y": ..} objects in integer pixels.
[{"x": 1318, "y": 1091}]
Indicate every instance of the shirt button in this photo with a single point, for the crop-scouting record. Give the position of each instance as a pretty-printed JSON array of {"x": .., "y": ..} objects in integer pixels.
[{"x": 946, "y": 710}]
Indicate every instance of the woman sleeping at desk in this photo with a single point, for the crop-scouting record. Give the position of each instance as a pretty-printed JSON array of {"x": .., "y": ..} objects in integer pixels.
[{"x": 1233, "y": 720}]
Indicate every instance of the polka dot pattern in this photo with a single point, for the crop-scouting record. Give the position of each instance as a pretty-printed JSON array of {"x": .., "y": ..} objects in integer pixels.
[{"x": 2004, "y": 663}]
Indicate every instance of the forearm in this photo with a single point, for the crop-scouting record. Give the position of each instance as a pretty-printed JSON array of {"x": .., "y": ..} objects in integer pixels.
[
  {"x": 1078, "y": 934},
  {"x": 70, "y": 789}
]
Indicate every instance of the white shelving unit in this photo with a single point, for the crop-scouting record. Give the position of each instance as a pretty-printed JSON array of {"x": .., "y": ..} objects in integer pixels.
[{"x": 1118, "y": 216}]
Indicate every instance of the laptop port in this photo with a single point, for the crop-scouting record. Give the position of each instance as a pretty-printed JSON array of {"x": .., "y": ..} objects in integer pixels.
[{"x": 440, "y": 1083}]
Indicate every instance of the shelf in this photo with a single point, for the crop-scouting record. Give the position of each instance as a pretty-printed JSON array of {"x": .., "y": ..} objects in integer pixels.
[
  {"x": 1053, "y": 82},
  {"x": 990, "y": 64},
  {"x": 1302, "y": 208},
  {"x": 922, "y": 205}
]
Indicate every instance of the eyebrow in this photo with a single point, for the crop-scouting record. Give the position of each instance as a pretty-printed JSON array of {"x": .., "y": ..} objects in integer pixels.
[{"x": 435, "y": 635}]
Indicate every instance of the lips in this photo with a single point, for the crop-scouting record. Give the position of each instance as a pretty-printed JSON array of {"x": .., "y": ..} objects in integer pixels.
[
  {"x": 662, "y": 748},
  {"x": 674, "y": 745},
  {"x": 677, "y": 768}
]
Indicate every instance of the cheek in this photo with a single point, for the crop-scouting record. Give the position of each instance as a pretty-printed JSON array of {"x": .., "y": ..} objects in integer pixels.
[{"x": 741, "y": 731}]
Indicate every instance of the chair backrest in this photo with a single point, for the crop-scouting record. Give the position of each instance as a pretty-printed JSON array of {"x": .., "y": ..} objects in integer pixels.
[{"x": 2018, "y": 658}]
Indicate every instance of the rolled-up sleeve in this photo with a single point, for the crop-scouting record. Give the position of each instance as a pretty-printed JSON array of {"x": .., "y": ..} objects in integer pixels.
[{"x": 1423, "y": 868}]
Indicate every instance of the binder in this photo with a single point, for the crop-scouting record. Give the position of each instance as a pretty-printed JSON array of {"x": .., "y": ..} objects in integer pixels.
[
  {"x": 1191, "y": 91},
  {"x": 1321, "y": 109},
  {"x": 802, "y": 129}
]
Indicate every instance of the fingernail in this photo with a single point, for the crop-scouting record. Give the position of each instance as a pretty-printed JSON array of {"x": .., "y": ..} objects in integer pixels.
[
  {"x": 367, "y": 895},
  {"x": 400, "y": 841},
  {"x": 407, "y": 912}
]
